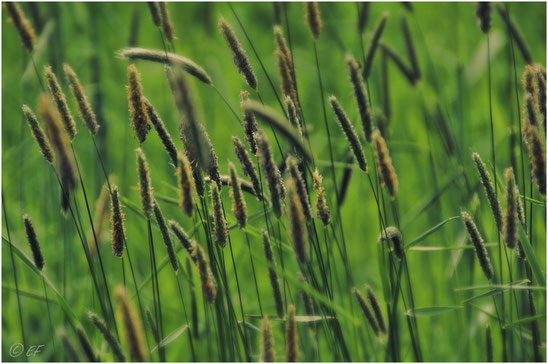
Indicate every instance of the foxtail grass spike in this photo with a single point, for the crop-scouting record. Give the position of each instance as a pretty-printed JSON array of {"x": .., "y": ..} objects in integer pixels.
[
  {"x": 267, "y": 354},
  {"x": 384, "y": 164},
  {"x": 155, "y": 13},
  {"x": 162, "y": 132},
  {"x": 82, "y": 102},
  {"x": 133, "y": 328},
  {"x": 293, "y": 115},
  {"x": 183, "y": 238},
  {"x": 167, "y": 26},
  {"x": 366, "y": 311},
  {"x": 374, "y": 45},
  {"x": 349, "y": 131},
  {"x": 392, "y": 234},
  {"x": 247, "y": 165},
  {"x": 287, "y": 83},
  {"x": 145, "y": 184},
  {"x": 483, "y": 13},
  {"x": 271, "y": 172},
  {"x": 291, "y": 338},
  {"x": 477, "y": 240},
  {"x": 239, "y": 55},
  {"x": 410, "y": 48},
  {"x": 60, "y": 102},
  {"x": 171, "y": 59},
  {"x": 85, "y": 344},
  {"x": 137, "y": 105},
  {"x": 117, "y": 222},
  {"x": 321, "y": 203},
  {"x": 220, "y": 228},
  {"x": 537, "y": 157},
  {"x": 209, "y": 287},
  {"x": 33, "y": 242},
  {"x": 516, "y": 34},
  {"x": 38, "y": 134},
  {"x": 489, "y": 188},
  {"x": 184, "y": 179},
  {"x": 360, "y": 95},
  {"x": 488, "y": 345},
  {"x": 239, "y": 208},
  {"x": 307, "y": 301},
  {"x": 107, "y": 335},
  {"x": 510, "y": 218},
  {"x": 376, "y": 308},
  {"x": 528, "y": 81},
  {"x": 22, "y": 25},
  {"x": 313, "y": 18},
  {"x": 291, "y": 166},
  {"x": 531, "y": 114},
  {"x": 165, "y": 236},
  {"x": 249, "y": 124},
  {"x": 540, "y": 74},
  {"x": 363, "y": 16},
  {"x": 296, "y": 220},
  {"x": 274, "y": 282},
  {"x": 281, "y": 44}
]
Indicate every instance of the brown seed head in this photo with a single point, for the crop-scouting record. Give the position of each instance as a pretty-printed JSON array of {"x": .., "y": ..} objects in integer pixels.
[
  {"x": 184, "y": 179},
  {"x": 321, "y": 203},
  {"x": 247, "y": 165},
  {"x": 220, "y": 228},
  {"x": 38, "y": 134},
  {"x": 360, "y": 94},
  {"x": 489, "y": 188},
  {"x": 209, "y": 288},
  {"x": 510, "y": 218},
  {"x": 271, "y": 172},
  {"x": 313, "y": 18},
  {"x": 249, "y": 124},
  {"x": 162, "y": 132},
  {"x": 33, "y": 242},
  {"x": 384, "y": 164},
  {"x": 483, "y": 13},
  {"x": 477, "y": 240},
  {"x": 60, "y": 102},
  {"x": 82, "y": 103},
  {"x": 145, "y": 184},
  {"x": 167, "y": 26},
  {"x": 296, "y": 220},
  {"x": 291, "y": 338},
  {"x": 117, "y": 222},
  {"x": 239, "y": 208},
  {"x": 22, "y": 25},
  {"x": 293, "y": 169},
  {"x": 133, "y": 328},
  {"x": 137, "y": 105},
  {"x": 267, "y": 354}
]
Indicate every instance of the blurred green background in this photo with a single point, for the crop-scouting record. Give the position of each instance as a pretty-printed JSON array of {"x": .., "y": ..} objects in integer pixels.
[{"x": 451, "y": 52}]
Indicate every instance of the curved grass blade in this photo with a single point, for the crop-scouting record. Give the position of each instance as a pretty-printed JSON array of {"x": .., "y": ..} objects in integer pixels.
[
  {"x": 170, "y": 338},
  {"x": 428, "y": 232}
]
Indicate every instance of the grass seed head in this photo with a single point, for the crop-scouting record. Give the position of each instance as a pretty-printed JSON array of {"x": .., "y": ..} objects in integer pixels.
[
  {"x": 85, "y": 344},
  {"x": 133, "y": 328},
  {"x": 38, "y": 134},
  {"x": 291, "y": 338},
  {"x": 247, "y": 165},
  {"x": 209, "y": 287},
  {"x": 393, "y": 235},
  {"x": 117, "y": 221},
  {"x": 531, "y": 112},
  {"x": 238, "y": 53},
  {"x": 165, "y": 236},
  {"x": 33, "y": 243},
  {"x": 489, "y": 188},
  {"x": 22, "y": 25},
  {"x": 528, "y": 80},
  {"x": 145, "y": 184},
  {"x": 167, "y": 26},
  {"x": 182, "y": 236},
  {"x": 366, "y": 311},
  {"x": 293, "y": 169},
  {"x": 293, "y": 115},
  {"x": 249, "y": 124},
  {"x": 537, "y": 157},
  {"x": 321, "y": 202},
  {"x": 313, "y": 18},
  {"x": 162, "y": 132},
  {"x": 360, "y": 94},
  {"x": 60, "y": 102},
  {"x": 483, "y": 13},
  {"x": 155, "y": 12},
  {"x": 274, "y": 282},
  {"x": 220, "y": 228},
  {"x": 184, "y": 179},
  {"x": 384, "y": 164},
  {"x": 296, "y": 220},
  {"x": 287, "y": 83},
  {"x": 268, "y": 354},
  {"x": 376, "y": 308},
  {"x": 271, "y": 172},
  {"x": 100, "y": 324},
  {"x": 239, "y": 208},
  {"x": 477, "y": 240},
  {"x": 510, "y": 218},
  {"x": 137, "y": 104},
  {"x": 82, "y": 102}
]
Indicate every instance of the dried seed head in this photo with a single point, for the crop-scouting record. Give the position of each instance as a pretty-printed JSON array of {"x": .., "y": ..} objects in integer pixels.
[
  {"x": 117, "y": 222},
  {"x": 85, "y": 344},
  {"x": 267, "y": 342},
  {"x": 349, "y": 131},
  {"x": 540, "y": 74},
  {"x": 249, "y": 124},
  {"x": 281, "y": 44},
  {"x": 376, "y": 308},
  {"x": 82, "y": 103},
  {"x": 137, "y": 105},
  {"x": 360, "y": 94},
  {"x": 38, "y": 133},
  {"x": 296, "y": 220},
  {"x": 100, "y": 324},
  {"x": 528, "y": 80},
  {"x": 477, "y": 240},
  {"x": 60, "y": 102},
  {"x": 291, "y": 166},
  {"x": 162, "y": 132},
  {"x": 384, "y": 164},
  {"x": 239, "y": 208},
  {"x": 145, "y": 184},
  {"x": 22, "y": 25},
  {"x": 167, "y": 26},
  {"x": 483, "y": 13},
  {"x": 182, "y": 236},
  {"x": 489, "y": 188},
  {"x": 247, "y": 165},
  {"x": 287, "y": 82},
  {"x": 537, "y": 157},
  {"x": 209, "y": 289},
  {"x": 155, "y": 13},
  {"x": 291, "y": 338},
  {"x": 219, "y": 223},
  {"x": 165, "y": 236},
  {"x": 184, "y": 179},
  {"x": 510, "y": 218},
  {"x": 393, "y": 235},
  {"x": 238, "y": 53},
  {"x": 33, "y": 242},
  {"x": 292, "y": 114},
  {"x": 133, "y": 328},
  {"x": 366, "y": 311},
  {"x": 313, "y": 18},
  {"x": 274, "y": 282},
  {"x": 271, "y": 172},
  {"x": 307, "y": 302},
  {"x": 321, "y": 203},
  {"x": 531, "y": 113}
]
